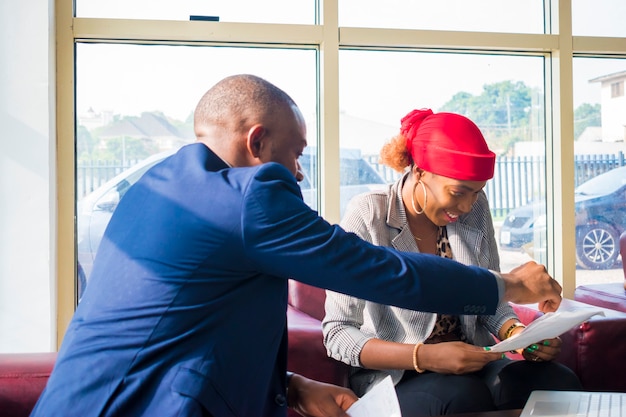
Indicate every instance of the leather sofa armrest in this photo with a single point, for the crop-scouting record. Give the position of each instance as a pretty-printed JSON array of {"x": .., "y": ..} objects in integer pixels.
[
  {"x": 23, "y": 377},
  {"x": 596, "y": 353},
  {"x": 611, "y": 295},
  {"x": 306, "y": 352},
  {"x": 307, "y": 355}
]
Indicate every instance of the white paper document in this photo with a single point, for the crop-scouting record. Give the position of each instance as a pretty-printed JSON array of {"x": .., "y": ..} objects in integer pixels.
[
  {"x": 380, "y": 401},
  {"x": 548, "y": 326}
]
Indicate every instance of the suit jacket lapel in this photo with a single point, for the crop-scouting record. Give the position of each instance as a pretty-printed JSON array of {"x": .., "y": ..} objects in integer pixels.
[
  {"x": 396, "y": 219},
  {"x": 465, "y": 242}
]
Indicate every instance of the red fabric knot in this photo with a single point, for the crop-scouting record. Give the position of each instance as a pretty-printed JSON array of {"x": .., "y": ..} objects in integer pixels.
[
  {"x": 410, "y": 123},
  {"x": 447, "y": 144}
]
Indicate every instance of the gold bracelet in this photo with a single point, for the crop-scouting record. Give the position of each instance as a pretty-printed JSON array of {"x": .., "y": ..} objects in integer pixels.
[
  {"x": 415, "y": 364},
  {"x": 513, "y": 326}
]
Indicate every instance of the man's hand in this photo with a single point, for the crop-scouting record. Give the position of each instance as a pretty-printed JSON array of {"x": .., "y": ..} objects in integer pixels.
[
  {"x": 318, "y": 399},
  {"x": 531, "y": 283}
]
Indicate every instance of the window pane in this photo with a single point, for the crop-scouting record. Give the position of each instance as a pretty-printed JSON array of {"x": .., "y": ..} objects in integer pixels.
[
  {"x": 598, "y": 18},
  {"x": 600, "y": 171},
  {"x": 478, "y": 15},
  {"x": 503, "y": 94},
  {"x": 250, "y": 11},
  {"x": 135, "y": 106}
]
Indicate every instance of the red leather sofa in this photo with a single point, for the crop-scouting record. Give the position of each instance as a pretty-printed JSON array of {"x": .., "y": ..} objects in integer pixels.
[
  {"x": 595, "y": 350},
  {"x": 307, "y": 354},
  {"x": 22, "y": 378},
  {"x": 612, "y": 295}
]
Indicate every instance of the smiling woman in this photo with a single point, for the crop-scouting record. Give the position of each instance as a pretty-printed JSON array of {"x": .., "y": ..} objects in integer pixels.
[
  {"x": 437, "y": 207},
  {"x": 461, "y": 83}
]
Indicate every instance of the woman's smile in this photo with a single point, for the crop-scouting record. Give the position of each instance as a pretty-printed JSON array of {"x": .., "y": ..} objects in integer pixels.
[{"x": 450, "y": 216}]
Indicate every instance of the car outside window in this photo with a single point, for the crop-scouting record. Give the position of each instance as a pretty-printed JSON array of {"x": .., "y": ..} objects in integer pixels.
[{"x": 96, "y": 208}]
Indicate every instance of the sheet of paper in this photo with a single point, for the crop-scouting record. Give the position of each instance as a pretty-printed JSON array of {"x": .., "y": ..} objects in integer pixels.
[
  {"x": 380, "y": 401},
  {"x": 548, "y": 326}
]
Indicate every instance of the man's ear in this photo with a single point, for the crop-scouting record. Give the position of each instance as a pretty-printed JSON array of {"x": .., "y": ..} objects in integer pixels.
[{"x": 256, "y": 140}]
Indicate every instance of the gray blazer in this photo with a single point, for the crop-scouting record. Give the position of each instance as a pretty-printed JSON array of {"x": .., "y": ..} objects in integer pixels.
[{"x": 379, "y": 217}]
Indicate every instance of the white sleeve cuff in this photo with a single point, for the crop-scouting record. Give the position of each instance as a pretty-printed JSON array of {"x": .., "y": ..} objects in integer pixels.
[{"x": 501, "y": 285}]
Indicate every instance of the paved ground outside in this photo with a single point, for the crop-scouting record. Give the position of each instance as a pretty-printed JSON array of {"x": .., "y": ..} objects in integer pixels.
[{"x": 511, "y": 259}]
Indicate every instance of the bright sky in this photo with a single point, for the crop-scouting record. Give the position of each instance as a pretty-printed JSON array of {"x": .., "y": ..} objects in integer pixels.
[{"x": 378, "y": 86}]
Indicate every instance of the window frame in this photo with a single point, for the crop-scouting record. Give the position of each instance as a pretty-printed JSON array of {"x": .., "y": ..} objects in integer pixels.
[{"x": 558, "y": 46}]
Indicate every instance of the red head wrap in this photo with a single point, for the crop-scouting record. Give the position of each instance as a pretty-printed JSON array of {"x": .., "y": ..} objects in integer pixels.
[{"x": 447, "y": 144}]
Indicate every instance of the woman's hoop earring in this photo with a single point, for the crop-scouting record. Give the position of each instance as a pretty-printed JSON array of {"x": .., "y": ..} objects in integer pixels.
[{"x": 413, "y": 198}]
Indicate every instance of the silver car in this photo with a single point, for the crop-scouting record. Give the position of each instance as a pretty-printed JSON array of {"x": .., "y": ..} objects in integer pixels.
[{"x": 95, "y": 209}]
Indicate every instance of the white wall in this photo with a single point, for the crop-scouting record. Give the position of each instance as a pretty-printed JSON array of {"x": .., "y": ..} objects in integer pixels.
[
  {"x": 613, "y": 113},
  {"x": 26, "y": 175}
]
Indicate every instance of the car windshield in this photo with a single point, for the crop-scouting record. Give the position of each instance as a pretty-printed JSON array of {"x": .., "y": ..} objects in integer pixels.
[{"x": 603, "y": 184}]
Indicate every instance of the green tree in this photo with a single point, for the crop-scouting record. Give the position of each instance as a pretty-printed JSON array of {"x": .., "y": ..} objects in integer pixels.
[
  {"x": 85, "y": 143},
  {"x": 503, "y": 111},
  {"x": 128, "y": 148},
  {"x": 586, "y": 115}
]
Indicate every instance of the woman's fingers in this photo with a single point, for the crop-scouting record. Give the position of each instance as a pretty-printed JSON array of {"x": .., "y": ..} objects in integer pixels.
[{"x": 545, "y": 350}]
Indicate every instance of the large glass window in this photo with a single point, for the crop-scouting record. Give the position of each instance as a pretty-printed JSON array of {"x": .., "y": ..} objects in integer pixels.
[
  {"x": 598, "y": 18},
  {"x": 503, "y": 95},
  {"x": 274, "y": 11},
  {"x": 135, "y": 106},
  {"x": 478, "y": 15},
  {"x": 133, "y": 101},
  {"x": 599, "y": 168}
]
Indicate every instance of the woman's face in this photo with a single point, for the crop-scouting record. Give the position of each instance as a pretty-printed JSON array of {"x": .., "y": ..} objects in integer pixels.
[{"x": 447, "y": 198}]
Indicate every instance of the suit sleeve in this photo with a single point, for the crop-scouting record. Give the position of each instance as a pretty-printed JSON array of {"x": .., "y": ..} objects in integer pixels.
[{"x": 285, "y": 238}]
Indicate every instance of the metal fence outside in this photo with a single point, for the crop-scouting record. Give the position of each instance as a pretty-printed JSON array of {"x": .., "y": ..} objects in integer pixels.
[
  {"x": 521, "y": 180},
  {"x": 92, "y": 174},
  {"x": 517, "y": 180}
]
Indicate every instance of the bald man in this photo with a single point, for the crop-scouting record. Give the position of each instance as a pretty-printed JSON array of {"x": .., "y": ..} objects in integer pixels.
[{"x": 185, "y": 312}]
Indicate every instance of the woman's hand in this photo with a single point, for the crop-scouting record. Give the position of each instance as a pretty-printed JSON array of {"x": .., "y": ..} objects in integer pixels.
[
  {"x": 546, "y": 350},
  {"x": 454, "y": 357},
  {"x": 318, "y": 399}
]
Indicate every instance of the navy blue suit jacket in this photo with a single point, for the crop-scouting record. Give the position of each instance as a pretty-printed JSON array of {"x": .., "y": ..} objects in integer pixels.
[{"x": 185, "y": 311}]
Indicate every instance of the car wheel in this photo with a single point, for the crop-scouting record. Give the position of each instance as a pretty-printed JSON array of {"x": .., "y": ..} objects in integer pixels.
[{"x": 597, "y": 246}]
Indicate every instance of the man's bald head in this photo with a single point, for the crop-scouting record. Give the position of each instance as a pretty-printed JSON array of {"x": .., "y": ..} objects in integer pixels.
[
  {"x": 246, "y": 120},
  {"x": 238, "y": 101}
]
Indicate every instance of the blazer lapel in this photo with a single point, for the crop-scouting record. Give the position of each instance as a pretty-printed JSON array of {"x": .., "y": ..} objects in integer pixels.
[
  {"x": 465, "y": 242},
  {"x": 396, "y": 219}
]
